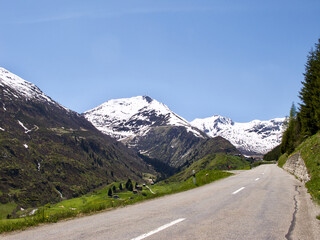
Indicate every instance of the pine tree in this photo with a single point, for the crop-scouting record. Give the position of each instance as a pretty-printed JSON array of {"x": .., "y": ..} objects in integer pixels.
[
  {"x": 310, "y": 94},
  {"x": 291, "y": 136},
  {"x": 110, "y": 192},
  {"x": 129, "y": 185}
]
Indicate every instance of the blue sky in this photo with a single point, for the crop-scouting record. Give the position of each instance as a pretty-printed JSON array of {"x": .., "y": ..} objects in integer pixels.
[{"x": 240, "y": 59}]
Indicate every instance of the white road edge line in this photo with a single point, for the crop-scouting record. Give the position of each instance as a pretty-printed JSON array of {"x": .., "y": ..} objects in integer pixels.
[
  {"x": 240, "y": 189},
  {"x": 159, "y": 229},
  {"x": 257, "y": 179}
]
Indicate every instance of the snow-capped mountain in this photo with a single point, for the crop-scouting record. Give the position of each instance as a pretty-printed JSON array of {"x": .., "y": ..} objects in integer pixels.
[
  {"x": 130, "y": 117},
  {"x": 156, "y": 132},
  {"x": 255, "y": 137},
  {"x": 15, "y": 87}
]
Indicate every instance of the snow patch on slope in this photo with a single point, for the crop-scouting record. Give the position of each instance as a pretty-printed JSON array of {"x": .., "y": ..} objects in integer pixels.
[{"x": 26, "y": 130}]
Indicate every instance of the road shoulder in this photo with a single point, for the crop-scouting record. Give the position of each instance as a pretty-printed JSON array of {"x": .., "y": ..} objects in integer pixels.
[{"x": 307, "y": 226}]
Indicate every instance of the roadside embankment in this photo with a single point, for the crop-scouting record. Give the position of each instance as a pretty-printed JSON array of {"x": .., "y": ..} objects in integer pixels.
[{"x": 296, "y": 166}]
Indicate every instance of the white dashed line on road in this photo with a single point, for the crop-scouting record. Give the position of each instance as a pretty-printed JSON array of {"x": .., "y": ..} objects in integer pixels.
[
  {"x": 240, "y": 189},
  {"x": 159, "y": 229}
]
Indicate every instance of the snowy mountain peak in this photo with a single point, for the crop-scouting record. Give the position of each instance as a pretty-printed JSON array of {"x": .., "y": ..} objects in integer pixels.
[
  {"x": 16, "y": 87},
  {"x": 148, "y": 99},
  {"x": 128, "y": 117},
  {"x": 125, "y": 108},
  {"x": 255, "y": 137},
  {"x": 20, "y": 87},
  {"x": 216, "y": 119}
]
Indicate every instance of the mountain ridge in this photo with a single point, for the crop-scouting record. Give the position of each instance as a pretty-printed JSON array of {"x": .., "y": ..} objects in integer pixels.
[
  {"x": 254, "y": 137},
  {"x": 129, "y": 117}
]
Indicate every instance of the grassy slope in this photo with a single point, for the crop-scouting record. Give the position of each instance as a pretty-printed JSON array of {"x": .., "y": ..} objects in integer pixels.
[
  {"x": 6, "y": 209},
  {"x": 282, "y": 160},
  {"x": 218, "y": 161},
  {"x": 99, "y": 200},
  {"x": 310, "y": 152}
]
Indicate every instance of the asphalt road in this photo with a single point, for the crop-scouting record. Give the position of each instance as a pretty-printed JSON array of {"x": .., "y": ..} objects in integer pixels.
[{"x": 263, "y": 203}]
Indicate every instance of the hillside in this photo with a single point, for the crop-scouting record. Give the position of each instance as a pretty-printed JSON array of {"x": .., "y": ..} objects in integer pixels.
[
  {"x": 177, "y": 148},
  {"x": 49, "y": 153},
  {"x": 215, "y": 161}
]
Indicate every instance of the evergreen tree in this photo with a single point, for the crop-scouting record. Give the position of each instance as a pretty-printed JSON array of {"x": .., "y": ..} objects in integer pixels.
[
  {"x": 274, "y": 154},
  {"x": 129, "y": 185},
  {"x": 291, "y": 136},
  {"x": 310, "y": 94},
  {"x": 306, "y": 122},
  {"x": 110, "y": 192}
]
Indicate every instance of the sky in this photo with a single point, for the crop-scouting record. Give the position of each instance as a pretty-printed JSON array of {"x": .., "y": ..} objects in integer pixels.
[{"x": 239, "y": 59}]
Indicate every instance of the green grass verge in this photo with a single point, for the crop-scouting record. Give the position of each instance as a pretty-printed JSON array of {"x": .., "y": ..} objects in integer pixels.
[
  {"x": 6, "y": 209},
  {"x": 310, "y": 152},
  {"x": 282, "y": 160},
  {"x": 99, "y": 200}
]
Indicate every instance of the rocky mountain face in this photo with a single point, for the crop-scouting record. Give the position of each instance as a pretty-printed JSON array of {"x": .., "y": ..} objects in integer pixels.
[
  {"x": 252, "y": 138},
  {"x": 127, "y": 118},
  {"x": 160, "y": 135},
  {"x": 49, "y": 153}
]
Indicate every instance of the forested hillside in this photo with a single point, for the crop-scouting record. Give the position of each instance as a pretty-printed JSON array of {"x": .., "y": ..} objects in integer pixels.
[
  {"x": 302, "y": 133},
  {"x": 305, "y": 121}
]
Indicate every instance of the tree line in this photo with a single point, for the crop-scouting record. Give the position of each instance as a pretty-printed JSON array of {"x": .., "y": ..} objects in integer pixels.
[{"x": 305, "y": 121}]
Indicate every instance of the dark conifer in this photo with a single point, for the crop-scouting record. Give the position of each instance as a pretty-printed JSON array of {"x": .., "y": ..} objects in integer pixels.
[
  {"x": 306, "y": 122},
  {"x": 129, "y": 185},
  {"x": 291, "y": 136},
  {"x": 310, "y": 94},
  {"x": 110, "y": 192}
]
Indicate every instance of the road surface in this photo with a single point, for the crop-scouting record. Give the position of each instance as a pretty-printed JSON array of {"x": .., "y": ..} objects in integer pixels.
[{"x": 262, "y": 203}]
